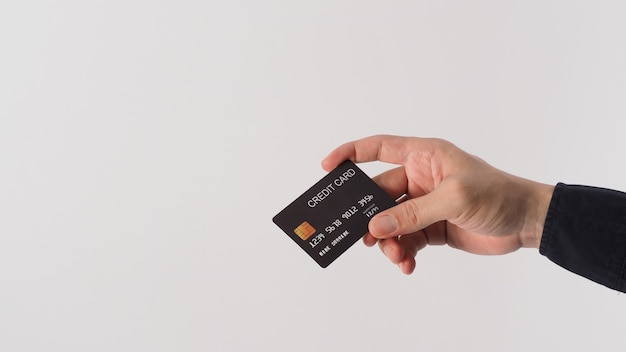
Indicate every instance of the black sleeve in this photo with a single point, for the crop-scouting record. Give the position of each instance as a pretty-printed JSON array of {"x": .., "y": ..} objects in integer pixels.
[{"x": 585, "y": 232}]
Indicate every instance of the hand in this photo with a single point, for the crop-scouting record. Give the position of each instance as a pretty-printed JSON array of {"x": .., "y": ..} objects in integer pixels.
[{"x": 451, "y": 196}]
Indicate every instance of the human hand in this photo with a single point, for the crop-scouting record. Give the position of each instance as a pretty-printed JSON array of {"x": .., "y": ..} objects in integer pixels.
[{"x": 452, "y": 198}]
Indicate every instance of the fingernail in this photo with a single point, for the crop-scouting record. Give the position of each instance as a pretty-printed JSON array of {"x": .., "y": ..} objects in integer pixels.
[{"x": 385, "y": 224}]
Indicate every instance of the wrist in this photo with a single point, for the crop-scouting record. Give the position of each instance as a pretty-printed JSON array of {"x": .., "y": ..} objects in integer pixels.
[{"x": 538, "y": 202}]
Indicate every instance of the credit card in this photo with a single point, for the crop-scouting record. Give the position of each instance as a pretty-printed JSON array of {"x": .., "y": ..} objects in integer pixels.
[{"x": 334, "y": 213}]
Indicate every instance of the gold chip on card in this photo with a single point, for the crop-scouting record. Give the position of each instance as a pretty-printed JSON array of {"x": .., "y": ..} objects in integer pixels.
[{"x": 304, "y": 230}]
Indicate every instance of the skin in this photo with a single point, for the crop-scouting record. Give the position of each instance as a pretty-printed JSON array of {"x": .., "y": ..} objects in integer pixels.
[{"x": 447, "y": 196}]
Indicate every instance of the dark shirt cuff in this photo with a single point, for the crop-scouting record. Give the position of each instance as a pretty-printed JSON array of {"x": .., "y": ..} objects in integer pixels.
[{"x": 585, "y": 232}]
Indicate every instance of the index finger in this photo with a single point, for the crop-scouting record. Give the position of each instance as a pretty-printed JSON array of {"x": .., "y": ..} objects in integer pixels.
[{"x": 390, "y": 149}]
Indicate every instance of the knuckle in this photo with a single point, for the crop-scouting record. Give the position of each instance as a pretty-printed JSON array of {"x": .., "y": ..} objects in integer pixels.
[{"x": 442, "y": 144}]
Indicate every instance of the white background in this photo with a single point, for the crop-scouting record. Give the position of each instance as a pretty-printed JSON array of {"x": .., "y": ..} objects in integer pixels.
[{"x": 146, "y": 145}]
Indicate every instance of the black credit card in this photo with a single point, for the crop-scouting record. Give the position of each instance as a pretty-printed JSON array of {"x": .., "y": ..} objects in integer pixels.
[{"x": 333, "y": 214}]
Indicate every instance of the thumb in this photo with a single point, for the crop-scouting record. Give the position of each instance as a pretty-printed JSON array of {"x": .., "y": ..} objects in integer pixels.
[{"x": 412, "y": 215}]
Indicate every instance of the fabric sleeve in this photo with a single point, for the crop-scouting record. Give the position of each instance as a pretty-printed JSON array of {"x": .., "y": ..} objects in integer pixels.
[{"x": 585, "y": 232}]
